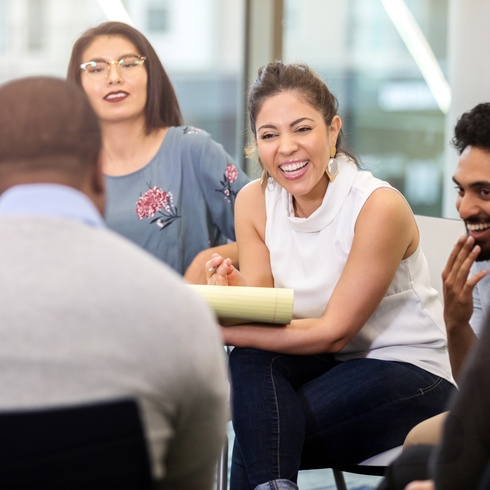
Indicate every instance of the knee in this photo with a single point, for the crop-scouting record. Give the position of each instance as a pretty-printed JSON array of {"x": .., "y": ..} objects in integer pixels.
[
  {"x": 248, "y": 356},
  {"x": 427, "y": 432}
]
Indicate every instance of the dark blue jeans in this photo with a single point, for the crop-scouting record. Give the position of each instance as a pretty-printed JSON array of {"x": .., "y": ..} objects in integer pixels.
[{"x": 291, "y": 412}]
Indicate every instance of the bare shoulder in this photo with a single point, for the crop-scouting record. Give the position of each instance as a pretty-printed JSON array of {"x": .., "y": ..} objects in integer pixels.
[
  {"x": 388, "y": 213},
  {"x": 387, "y": 203},
  {"x": 250, "y": 208},
  {"x": 250, "y": 199},
  {"x": 250, "y": 193}
]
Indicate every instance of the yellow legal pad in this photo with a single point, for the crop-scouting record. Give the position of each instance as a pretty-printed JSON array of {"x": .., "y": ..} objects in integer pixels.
[{"x": 235, "y": 305}]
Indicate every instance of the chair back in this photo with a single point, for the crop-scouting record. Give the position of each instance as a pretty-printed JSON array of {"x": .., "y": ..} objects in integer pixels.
[
  {"x": 82, "y": 447},
  {"x": 437, "y": 238}
]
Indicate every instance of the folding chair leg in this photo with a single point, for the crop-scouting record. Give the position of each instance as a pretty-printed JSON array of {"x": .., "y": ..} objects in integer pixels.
[
  {"x": 339, "y": 480},
  {"x": 222, "y": 468}
]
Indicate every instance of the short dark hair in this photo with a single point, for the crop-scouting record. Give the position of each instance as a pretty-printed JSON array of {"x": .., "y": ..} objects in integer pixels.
[
  {"x": 277, "y": 77},
  {"x": 473, "y": 129},
  {"x": 47, "y": 123},
  {"x": 162, "y": 107}
]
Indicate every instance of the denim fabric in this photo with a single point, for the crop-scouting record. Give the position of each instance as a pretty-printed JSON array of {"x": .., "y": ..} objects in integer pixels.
[
  {"x": 277, "y": 485},
  {"x": 291, "y": 412}
]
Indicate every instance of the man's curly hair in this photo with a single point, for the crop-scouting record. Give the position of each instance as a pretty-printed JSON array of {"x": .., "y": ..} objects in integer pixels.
[{"x": 473, "y": 128}]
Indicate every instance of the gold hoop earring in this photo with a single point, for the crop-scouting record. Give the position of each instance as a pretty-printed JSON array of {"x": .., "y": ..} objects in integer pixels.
[
  {"x": 332, "y": 169},
  {"x": 264, "y": 181}
]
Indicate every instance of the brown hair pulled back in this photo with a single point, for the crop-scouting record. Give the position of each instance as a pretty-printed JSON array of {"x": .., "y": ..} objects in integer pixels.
[
  {"x": 277, "y": 77},
  {"x": 162, "y": 108}
]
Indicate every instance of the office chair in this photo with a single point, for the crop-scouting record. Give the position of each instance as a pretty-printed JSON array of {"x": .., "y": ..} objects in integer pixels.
[{"x": 97, "y": 446}]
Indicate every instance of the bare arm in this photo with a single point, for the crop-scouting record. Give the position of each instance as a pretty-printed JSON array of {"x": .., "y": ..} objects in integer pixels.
[
  {"x": 385, "y": 233},
  {"x": 458, "y": 300},
  {"x": 196, "y": 272}
]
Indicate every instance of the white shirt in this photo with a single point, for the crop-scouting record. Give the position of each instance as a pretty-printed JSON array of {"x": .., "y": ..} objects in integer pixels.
[{"x": 309, "y": 255}]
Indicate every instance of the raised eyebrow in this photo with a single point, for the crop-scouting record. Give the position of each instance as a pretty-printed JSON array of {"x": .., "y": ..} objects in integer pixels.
[
  {"x": 266, "y": 126},
  {"x": 301, "y": 119},
  {"x": 271, "y": 126}
]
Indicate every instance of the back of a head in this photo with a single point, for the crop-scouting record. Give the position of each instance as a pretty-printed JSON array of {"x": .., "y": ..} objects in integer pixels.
[
  {"x": 46, "y": 126},
  {"x": 473, "y": 129}
]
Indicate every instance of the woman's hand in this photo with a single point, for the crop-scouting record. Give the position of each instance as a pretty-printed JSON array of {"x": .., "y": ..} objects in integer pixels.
[{"x": 221, "y": 272}]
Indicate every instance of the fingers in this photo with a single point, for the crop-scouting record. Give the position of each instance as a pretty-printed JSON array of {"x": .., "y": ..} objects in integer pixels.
[
  {"x": 212, "y": 265},
  {"x": 473, "y": 281},
  {"x": 459, "y": 263},
  {"x": 217, "y": 270},
  {"x": 465, "y": 260},
  {"x": 454, "y": 254}
]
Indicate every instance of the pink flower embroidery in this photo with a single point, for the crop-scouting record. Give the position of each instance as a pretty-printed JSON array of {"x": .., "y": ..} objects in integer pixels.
[
  {"x": 231, "y": 173},
  {"x": 153, "y": 201}
]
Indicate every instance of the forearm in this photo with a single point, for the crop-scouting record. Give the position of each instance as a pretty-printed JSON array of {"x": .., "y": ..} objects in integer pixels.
[
  {"x": 196, "y": 273},
  {"x": 460, "y": 339},
  {"x": 300, "y": 337}
]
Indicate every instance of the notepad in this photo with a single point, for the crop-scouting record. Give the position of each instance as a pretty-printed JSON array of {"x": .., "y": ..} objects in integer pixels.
[{"x": 235, "y": 305}]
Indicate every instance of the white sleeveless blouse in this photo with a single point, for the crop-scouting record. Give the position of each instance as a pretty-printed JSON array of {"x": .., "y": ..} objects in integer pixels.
[{"x": 309, "y": 254}]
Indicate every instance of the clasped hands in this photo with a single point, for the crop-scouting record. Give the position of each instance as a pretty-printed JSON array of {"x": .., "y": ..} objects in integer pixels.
[{"x": 221, "y": 272}]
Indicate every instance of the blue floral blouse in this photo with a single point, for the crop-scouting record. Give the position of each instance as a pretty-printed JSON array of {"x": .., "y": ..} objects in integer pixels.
[{"x": 181, "y": 202}]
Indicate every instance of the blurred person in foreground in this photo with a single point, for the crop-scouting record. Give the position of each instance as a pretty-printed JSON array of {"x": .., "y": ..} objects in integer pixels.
[
  {"x": 464, "y": 429},
  {"x": 86, "y": 315}
]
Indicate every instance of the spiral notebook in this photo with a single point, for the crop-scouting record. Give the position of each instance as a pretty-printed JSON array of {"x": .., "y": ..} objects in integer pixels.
[{"x": 238, "y": 305}]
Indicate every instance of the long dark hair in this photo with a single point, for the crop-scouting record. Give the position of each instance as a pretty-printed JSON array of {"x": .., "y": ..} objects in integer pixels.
[
  {"x": 162, "y": 108},
  {"x": 277, "y": 77}
]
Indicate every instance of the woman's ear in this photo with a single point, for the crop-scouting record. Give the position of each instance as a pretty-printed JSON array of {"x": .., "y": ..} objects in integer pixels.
[{"x": 334, "y": 130}]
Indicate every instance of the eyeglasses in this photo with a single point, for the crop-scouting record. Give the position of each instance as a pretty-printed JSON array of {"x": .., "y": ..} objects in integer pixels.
[{"x": 128, "y": 67}]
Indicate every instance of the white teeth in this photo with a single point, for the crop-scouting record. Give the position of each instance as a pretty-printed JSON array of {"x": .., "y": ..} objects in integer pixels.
[
  {"x": 477, "y": 227},
  {"x": 294, "y": 166},
  {"x": 113, "y": 96}
]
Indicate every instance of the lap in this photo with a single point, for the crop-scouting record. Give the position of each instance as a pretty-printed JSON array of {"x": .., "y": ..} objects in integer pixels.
[
  {"x": 367, "y": 406},
  {"x": 351, "y": 410}
]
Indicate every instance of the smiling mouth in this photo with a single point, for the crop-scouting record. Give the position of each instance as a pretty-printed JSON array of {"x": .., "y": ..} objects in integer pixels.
[
  {"x": 116, "y": 96},
  {"x": 293, "y": 168},
  {"x": 477, "y": 226}
]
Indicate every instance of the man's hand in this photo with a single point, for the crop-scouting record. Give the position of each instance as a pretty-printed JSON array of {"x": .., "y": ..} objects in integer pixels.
[
  {"x": 458, "y": 289},
  {"x": 458, "y": 300}
]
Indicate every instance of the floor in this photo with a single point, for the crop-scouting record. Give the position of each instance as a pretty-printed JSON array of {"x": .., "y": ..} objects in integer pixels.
[{"x": 321, "y": 479}]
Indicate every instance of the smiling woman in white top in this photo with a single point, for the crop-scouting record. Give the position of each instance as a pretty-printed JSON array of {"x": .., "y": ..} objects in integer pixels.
[{"x": 364, "y": 358}]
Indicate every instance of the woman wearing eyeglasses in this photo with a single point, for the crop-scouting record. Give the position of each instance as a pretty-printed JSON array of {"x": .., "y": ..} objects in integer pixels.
[{"x": 170, "y": 187}]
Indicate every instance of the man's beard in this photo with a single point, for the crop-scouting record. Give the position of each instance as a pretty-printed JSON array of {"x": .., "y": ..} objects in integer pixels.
[
  {"x": 484, "y": 252},
  {"x": 484, "y": 248}
]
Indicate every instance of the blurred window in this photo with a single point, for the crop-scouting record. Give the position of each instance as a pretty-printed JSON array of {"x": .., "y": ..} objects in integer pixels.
[
  {"x": 200, "y": 43},
  {"x": 390, "y": 115},
  {"x": 36, "y": 15},
  {"x": 3, "y": 25},
  {"x": 158, "y": 16}
]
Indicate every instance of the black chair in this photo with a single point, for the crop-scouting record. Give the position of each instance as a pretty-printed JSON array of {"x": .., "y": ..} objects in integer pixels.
[{"x": 90, "y": 447}]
